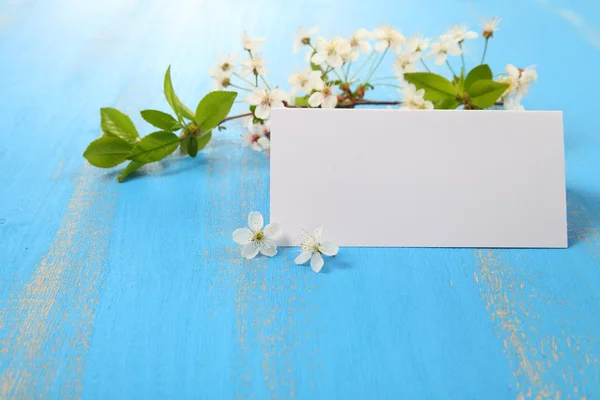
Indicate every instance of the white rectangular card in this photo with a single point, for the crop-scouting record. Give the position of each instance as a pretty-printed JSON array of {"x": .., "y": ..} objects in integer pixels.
[{"x": 403, "y": 178}]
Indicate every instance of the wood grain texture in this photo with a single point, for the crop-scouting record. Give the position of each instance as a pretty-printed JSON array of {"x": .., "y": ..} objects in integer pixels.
[{"x": 136, "y": 290}]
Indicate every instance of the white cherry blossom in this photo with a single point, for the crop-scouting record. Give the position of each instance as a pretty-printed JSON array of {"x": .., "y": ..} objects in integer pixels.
[
  {"x": 313, "y": 249},
  {"x": 255, "y": 239},
  {"x": 303, "y": 38},
  {"x": 405, "y": 62},
  {"x": 416, "y": 44},
  {"x": 254, "y": 65},
  {"x": 359, "y": 43},
  {"x": 441, "y": 49},
  {"x": 459, "y": 33},
  {"x": 252, "y": 45},
  {"x": 325, "y": 97},
  {"x": 221, "y": 82},
  {"x": 250, "y": 139},
  {"x": 490, "y": 26},
  {"x": 518, "y": 80},
  {"x": 388, "y": 37},
  {"x": 331, "y": 52},
  {"x": 413, "y": 98},
  {"x": 264, "y": 100},
  {"x": 306, "y": 81},
  {"x": 225, "y": 68}
]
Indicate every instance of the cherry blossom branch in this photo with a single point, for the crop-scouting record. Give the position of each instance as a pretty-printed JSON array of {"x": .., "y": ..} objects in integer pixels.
[{"x": 343, "y": 105}]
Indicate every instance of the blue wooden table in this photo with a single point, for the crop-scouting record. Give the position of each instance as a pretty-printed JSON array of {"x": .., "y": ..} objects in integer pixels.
[{"x": 136, "y": 290}]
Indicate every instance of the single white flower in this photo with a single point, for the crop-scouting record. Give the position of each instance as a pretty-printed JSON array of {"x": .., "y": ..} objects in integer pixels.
[
  {"x": 387, "y": 36},
  {"x": 325, "y": 97},
  {"x": 225, "y": 68},
  {"x": 306, "y": 81},
  {"x": 359, "y": 44},
  {"x": 264, "y": 100},
  {"x": 256, "y": 239},
  {"x": 221, "y": 82},
  {"x": 250, "y": 139},
  {"x": 405, "y": 62},
  {"x": 252, "y": 45},
  {"x": 331, "y": 52},
  {"x": 490, "y": 26},
  {"x": 313, "y": 249},
  {"x": 302, "y": 38},
  {"x": 459, "y": 33},
  {"x": 254, "y": 65},
  {"x": 441, "y": 49},
  {"x": 416, "y": 44},
  {"x": 413, "y": 98}
]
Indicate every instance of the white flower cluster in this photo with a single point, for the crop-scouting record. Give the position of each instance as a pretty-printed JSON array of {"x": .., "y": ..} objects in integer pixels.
[
  {"x": 519, "y": 80},
  {"x": 334, "y": 77},
  {"x": 256, "y": 239}
]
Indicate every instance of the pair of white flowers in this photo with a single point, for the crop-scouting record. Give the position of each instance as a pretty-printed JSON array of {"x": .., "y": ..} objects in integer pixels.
[
  {"x": 256, "y": 239},
  {"x": 308, "y": 81}
]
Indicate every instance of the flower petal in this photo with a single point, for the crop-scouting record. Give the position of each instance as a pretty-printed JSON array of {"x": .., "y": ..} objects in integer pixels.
[
  {"x": 316, "y": 262},
  {"x": 242, "y": 235},
  {"x": 329, "y": 102},
  {"x": 268, "y": 248},
  {"x": 262, "y": 111},
  {"x": 318, "y": 233},
  {"x": 253, "y": 98},
  {"x": 315, "y": 99},
  {"x": 272, "y": 230},
  {"x": 256, "y": 146},
  {"x": 381, "y": 45},
  {"x": 255, "y": 221},
  {"x": 319, "y": 58},
  {"x": 303, "y": 257},
  {"x": 328, "y": 248},
  {"x": 249, "y": 250}
]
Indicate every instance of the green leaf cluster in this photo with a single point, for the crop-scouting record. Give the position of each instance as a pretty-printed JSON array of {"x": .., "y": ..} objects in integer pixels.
[
  {"x": 191, "y": 132},
  {"x": 476, "y": 91}
]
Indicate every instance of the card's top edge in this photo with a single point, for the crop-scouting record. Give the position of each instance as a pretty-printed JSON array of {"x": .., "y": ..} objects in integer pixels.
[{"x": 293, "y": 109}]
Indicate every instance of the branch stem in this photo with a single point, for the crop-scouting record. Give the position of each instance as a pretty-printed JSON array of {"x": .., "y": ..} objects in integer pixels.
[
  {"x": 485, "y": 49},
  {"x": 362, "y": 66}
]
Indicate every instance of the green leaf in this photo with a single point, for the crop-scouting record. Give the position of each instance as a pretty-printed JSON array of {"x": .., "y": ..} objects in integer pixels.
[
  {"x": 192, "y": 146},
  {"x": 448, "y": 103},
  {"x": 178, "y": 107},
  {"x": 183, "y": 145},
  {"x": 480, "y": 72},
  {"x": 161, "y": 120},
  {"x": 107, "y": 151},
  {"x": 115, "y": 123},
  {"x": 436, "y": 86},
  {"x": 213, "y": 109},
  {"x": 203, "y": 140},
  {"x": 301, "y": 101},
  {"x": 154, "y": 147},
  {"x": 484, "y": 93},
  {"x": 129, "y": 169}
]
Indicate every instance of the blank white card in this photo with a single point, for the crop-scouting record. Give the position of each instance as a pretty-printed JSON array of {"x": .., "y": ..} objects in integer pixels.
[{"x": 418, "y": 178}]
